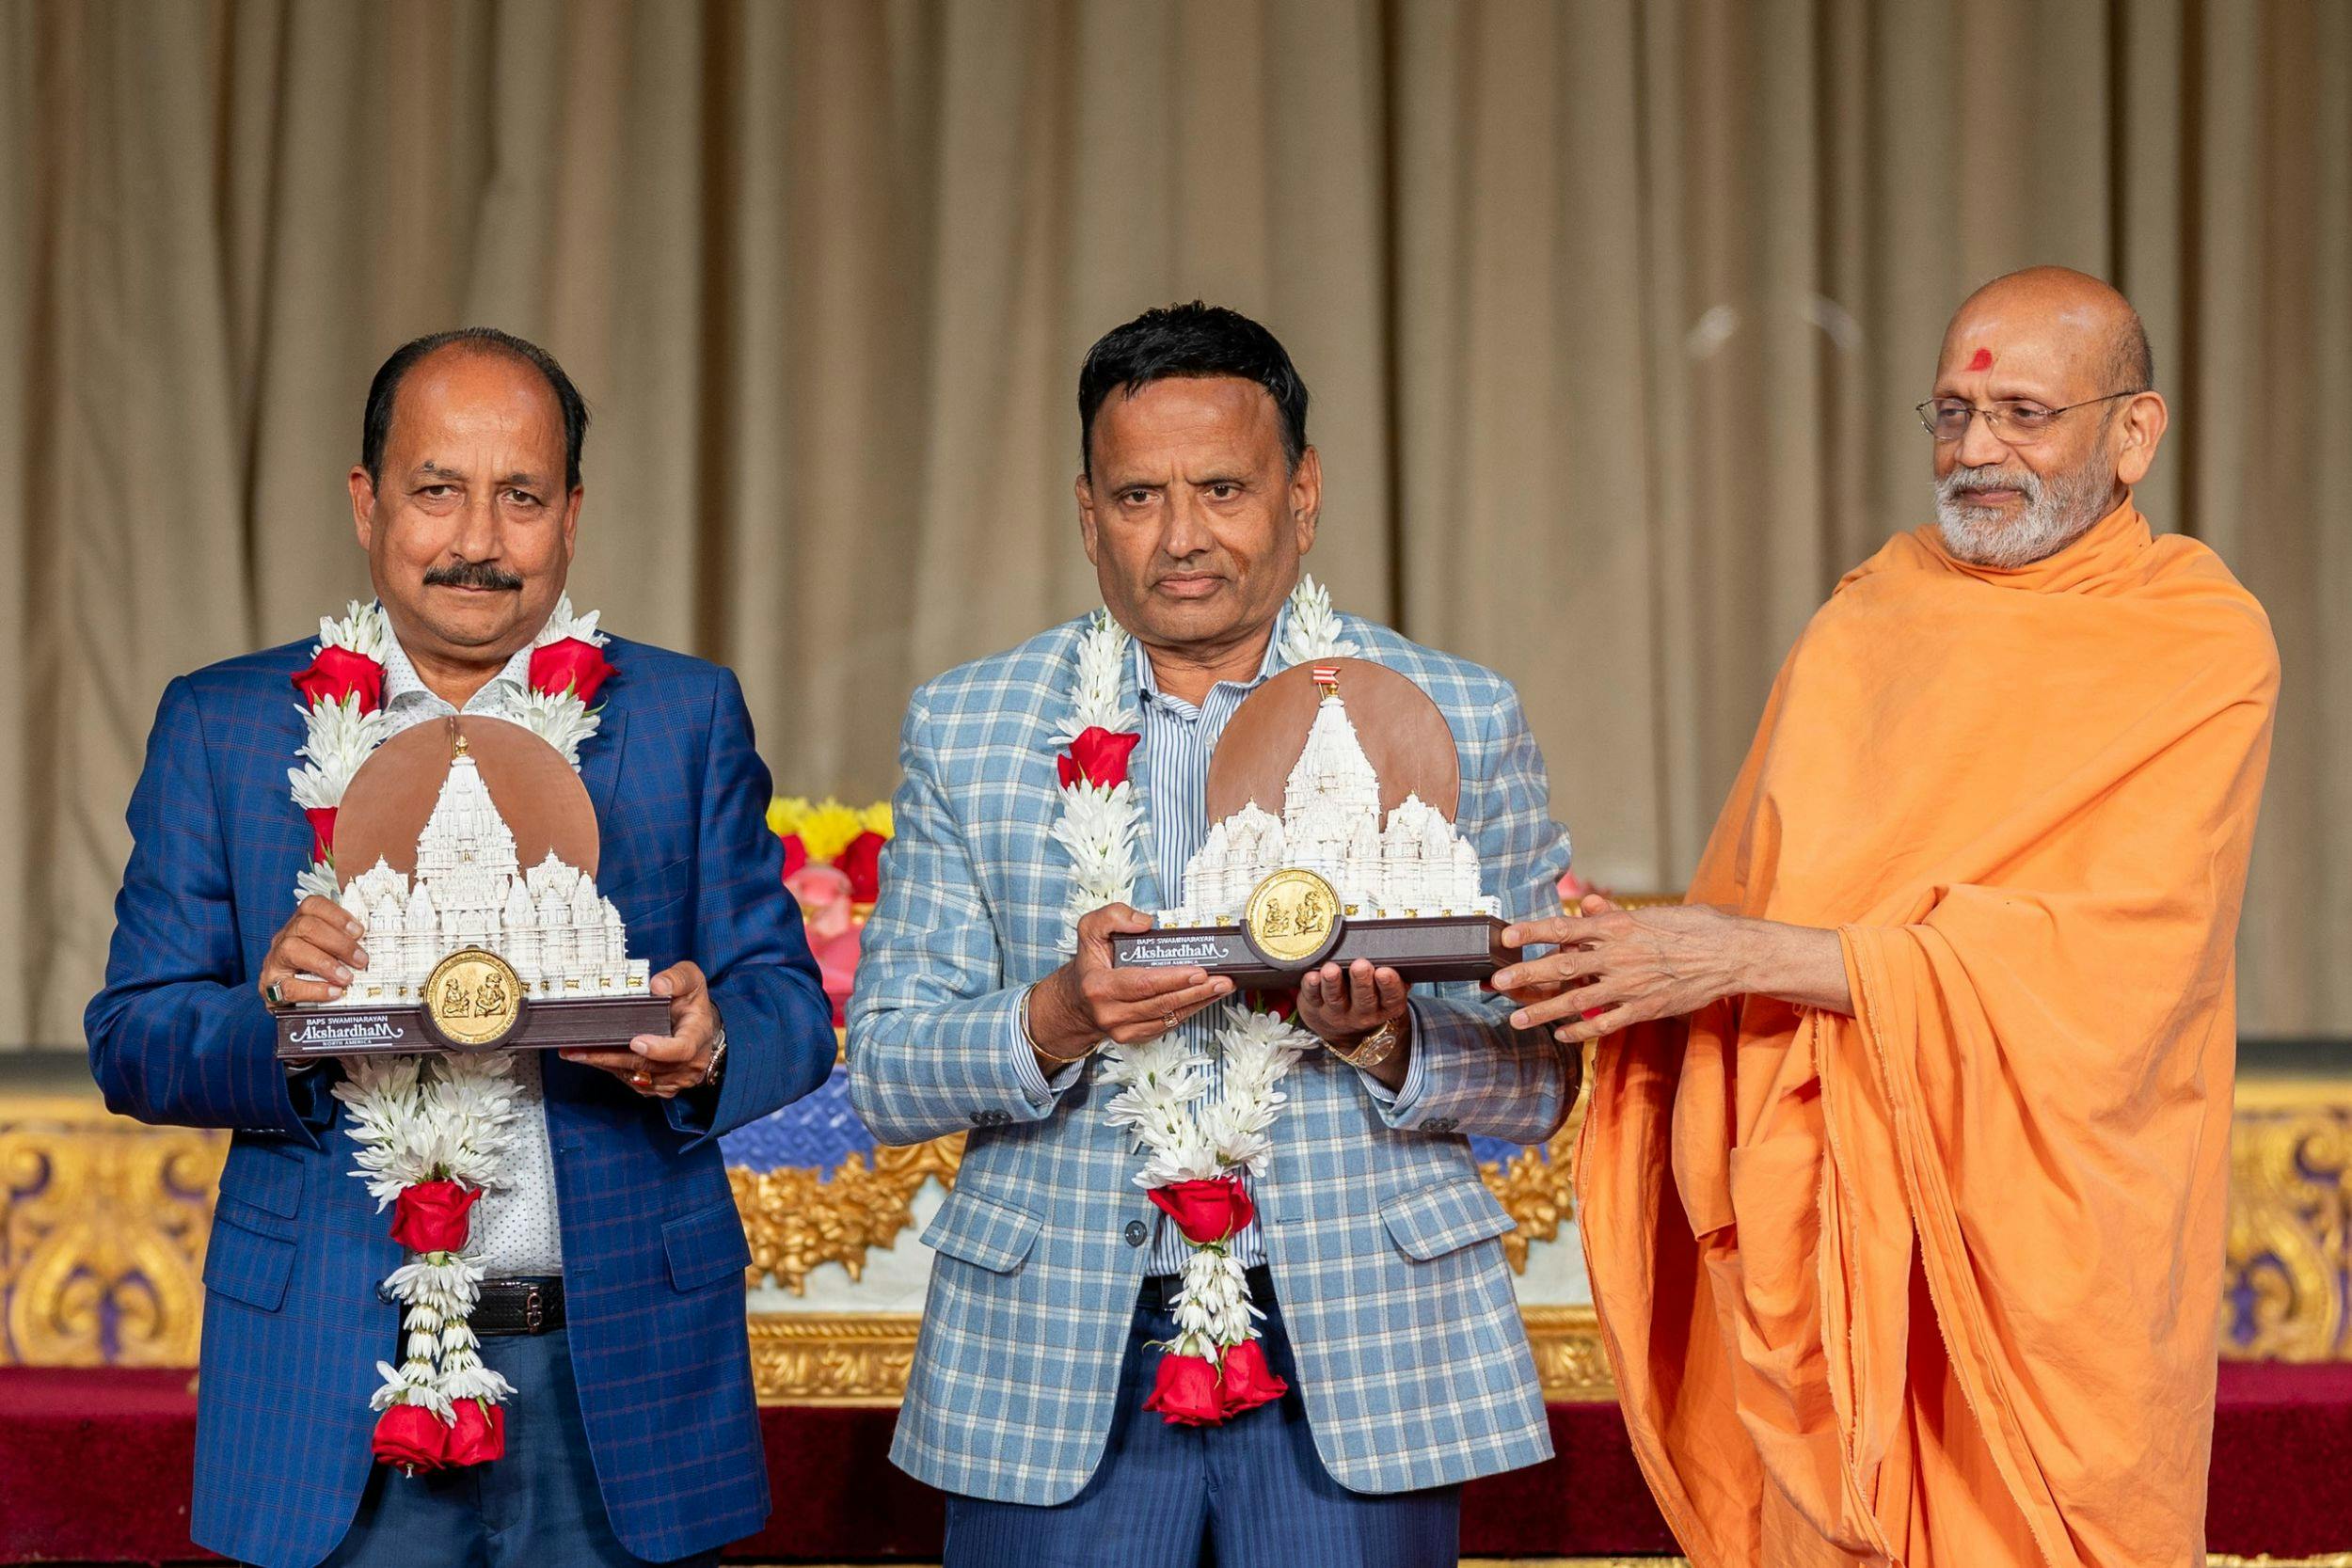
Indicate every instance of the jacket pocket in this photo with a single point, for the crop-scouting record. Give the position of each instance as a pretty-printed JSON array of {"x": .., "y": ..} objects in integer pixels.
[
  {"x": 244, "y": 1264},
  {"x": 981, "y": 1232},
  {"x": 1448, "y": 1217},
  {"x": 266, "y": 1175},
  {"x": 706, "y": 1246}
]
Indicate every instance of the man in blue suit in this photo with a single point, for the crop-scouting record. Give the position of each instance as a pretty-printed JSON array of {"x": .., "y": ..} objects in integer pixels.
[
  {"x": 615, "y": 1261},
  {"x": 1376, "y": 1252}
]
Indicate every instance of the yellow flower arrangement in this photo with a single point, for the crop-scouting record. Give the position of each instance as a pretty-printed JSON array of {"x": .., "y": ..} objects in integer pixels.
[{"x": 828, "y": 826}]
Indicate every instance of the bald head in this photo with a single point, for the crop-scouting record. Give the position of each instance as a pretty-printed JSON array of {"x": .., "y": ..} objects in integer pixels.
[
  {"x": 2051, "y": 369},
  {"x": 2065, "y": 321}
]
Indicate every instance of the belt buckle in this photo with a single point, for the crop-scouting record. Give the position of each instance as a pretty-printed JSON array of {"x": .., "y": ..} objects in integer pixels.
[{"x": 534, "y": 1313}]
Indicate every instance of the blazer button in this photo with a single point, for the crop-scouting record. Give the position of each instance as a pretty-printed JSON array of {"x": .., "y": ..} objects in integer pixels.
[
  {"x": 1441, "y": 1124},
  {"x": 1138, "y": 1232}
]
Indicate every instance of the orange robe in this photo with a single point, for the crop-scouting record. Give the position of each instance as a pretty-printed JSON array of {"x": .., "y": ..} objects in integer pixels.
[{"x": 1939, "y": 1284}]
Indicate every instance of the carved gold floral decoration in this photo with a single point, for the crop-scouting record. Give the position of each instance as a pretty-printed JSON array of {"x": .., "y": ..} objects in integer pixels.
[
  {"x": 831, "y": 1359},
  {"x": 863, "y": 1357},
  {"x": 798, "y": 1219},
  {"x": 2290, "y": 1236},
  {"x": 101, "y": 1236},
  {"x": 101, "y": 1243}
]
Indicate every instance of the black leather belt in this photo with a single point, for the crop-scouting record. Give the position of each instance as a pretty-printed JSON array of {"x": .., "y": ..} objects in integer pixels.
[
  {"x": 520, "y": 1306},
  {"x": 1159, "y": 1290}
]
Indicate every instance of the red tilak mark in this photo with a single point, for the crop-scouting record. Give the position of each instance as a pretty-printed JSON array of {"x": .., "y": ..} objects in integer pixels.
[{"x": 1983, "y": 361}]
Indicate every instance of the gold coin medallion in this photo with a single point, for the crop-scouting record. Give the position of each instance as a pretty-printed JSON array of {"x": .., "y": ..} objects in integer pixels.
[
  {"x": 1291, "y": 915},
  {"x": 474, "y": 998}
]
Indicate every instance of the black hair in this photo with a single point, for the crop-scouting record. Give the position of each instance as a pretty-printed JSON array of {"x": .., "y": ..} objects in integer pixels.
[
  {"x": 376, "y": 424},
  {"x": 1190, "y": 341}
]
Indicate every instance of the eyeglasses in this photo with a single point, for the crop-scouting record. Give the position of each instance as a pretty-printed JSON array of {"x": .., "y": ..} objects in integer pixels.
[{"x": 2012, "y": 420}]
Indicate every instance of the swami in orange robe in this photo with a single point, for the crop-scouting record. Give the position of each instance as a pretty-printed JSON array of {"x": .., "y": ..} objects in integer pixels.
[{"x": 1904, "y": 1173}]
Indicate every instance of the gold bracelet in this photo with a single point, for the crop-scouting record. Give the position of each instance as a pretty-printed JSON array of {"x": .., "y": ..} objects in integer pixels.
[
  {"x": 1030, "y": 1034},
  {"x": 1373, "y": 1049}
]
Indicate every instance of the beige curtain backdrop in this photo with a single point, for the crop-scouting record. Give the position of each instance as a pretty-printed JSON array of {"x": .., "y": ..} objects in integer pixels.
[{"x": 1613, "y": 314}]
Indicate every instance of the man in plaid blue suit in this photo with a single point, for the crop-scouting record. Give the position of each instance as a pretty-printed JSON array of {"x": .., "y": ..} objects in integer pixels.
[
  {"x": 632, "y": 1435},
  {"x": 1375, "y": 1251}
]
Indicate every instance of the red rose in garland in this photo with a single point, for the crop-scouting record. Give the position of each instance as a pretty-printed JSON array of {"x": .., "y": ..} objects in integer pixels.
[
  {"x": 1102, "y": 826},
  {"x": 1279, "y": 1004},
  {"x": 795, "y": 855},
  {"x": 431, "y": 1216},
  {"x": 336, "y": 673},
  {"x": 401, "y": 1113},
  {"x": 478, "y": 1435},
  {"x": 1205, "y": 1212},
  {"x": 1098, "y": 755},
  {"x": 1186, "y": 1392},
  {"x": 569, "y": 665},
  {"x": 412, "y": 1438},
  {"x": 862, "y": 864},
  {"x": 1248, "y": 1382}
]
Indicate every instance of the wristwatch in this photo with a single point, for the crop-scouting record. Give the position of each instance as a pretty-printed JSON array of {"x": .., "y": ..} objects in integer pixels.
[
  {"x": 718, "y": 1059},
  {"x": 1373, "y": 1049}
]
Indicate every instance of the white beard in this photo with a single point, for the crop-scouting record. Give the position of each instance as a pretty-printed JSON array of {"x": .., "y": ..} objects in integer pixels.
[{"x": 2057, "y": 512}]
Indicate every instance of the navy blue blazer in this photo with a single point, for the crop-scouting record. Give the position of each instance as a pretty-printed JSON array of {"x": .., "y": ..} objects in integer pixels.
[{"x": 654, "y": 1255}]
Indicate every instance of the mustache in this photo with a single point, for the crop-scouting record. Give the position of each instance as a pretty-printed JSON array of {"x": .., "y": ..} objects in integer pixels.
[
  {"x": 472, "y": 574},
  {"x": 2021, "y": 479}
]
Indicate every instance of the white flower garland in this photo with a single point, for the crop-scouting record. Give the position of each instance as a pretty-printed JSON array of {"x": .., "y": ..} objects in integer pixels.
[
  {"x": 413, "y": 1128},
  {"x": 1163, "y": 1082},
  {"x": 1099, "y": 823},
  {"x": 421, "y": 1119}
]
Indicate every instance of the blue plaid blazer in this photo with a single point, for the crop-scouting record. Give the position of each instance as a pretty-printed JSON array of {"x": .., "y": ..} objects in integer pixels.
[
  {"x": 653, "y": 1254},
  {"x": 1384, "y": 1243}
]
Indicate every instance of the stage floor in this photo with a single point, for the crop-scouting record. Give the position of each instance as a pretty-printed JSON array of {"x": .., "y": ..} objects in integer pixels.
[{"x": 71, "y": 1438}]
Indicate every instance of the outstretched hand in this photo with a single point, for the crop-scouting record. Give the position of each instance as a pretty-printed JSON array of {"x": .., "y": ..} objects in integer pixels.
[{"x": 1615, "y": 968}]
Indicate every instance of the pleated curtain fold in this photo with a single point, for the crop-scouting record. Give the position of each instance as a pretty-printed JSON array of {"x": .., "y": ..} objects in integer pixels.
[{"x": 1614, "y": 314}]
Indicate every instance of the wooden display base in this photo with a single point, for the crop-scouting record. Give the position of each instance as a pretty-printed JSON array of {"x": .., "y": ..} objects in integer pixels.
[
  {"x": 609, "y": 1022},
  {"x": 1436, "y": 947}
]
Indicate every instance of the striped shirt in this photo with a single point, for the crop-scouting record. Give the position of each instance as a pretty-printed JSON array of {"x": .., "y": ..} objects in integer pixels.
[{"x": 1179, "y": 739}]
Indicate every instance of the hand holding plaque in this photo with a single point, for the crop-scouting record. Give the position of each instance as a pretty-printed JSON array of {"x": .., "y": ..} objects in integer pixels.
[
  {"x": 465, "y": 949},
  {"x": 1363, "y": 862}
]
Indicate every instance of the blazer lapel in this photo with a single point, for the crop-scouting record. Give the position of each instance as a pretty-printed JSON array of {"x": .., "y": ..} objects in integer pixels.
[
  {"x": 1060, "y": 673},
  {"x": 1147, "y": 886},
  {"x": 601, "y": 770}
]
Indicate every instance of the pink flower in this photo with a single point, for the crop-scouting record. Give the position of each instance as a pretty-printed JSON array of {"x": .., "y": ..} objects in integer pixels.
[
  {"x": 836, "y": 962},
  {"x": 823, "y": 894}
]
